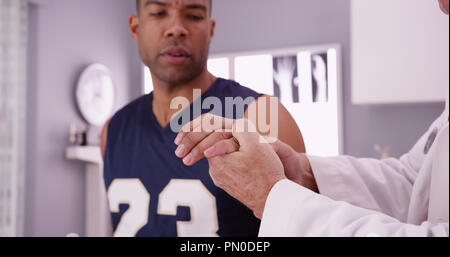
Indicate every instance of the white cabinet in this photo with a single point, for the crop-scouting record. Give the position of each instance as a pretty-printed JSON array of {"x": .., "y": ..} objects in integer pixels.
[
  {"x": 400, "y": 51},
  {"x": 97, "y": 219}
]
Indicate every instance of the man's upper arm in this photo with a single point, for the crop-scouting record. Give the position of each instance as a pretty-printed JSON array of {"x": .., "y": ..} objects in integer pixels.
[
  {"x": 288, "y": 131},
  {"x": 104, "y": 138},
  {"x": 103, "y": 141}
]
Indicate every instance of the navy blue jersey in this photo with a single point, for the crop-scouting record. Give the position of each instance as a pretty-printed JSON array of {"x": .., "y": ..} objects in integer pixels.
[{"x": 152, "y": 193}]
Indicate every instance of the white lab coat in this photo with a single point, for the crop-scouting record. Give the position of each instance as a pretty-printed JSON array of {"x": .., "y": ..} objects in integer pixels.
[{"x": 365, "y": 197}]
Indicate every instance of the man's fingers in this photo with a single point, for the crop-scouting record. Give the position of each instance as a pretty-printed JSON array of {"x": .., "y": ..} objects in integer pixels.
[
  {"x": 205, "y": 123},
  {"x": 223, "y": 147},
  {"x": 189, "y": 142},
  {"x": 191, "y": 126},
  {"x": 197, "y": 152}
]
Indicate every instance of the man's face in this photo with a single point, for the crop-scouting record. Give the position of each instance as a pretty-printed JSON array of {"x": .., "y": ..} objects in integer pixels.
[
  {"x": 444, "y": 5},
  {"x": 174, "y": 37}
]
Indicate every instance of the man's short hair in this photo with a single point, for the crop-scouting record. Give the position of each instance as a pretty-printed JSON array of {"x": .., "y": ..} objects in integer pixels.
[{"x": 138, "y": 5}]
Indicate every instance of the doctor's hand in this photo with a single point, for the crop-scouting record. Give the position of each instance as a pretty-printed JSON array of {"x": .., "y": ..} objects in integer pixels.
[
  {"x": 196, "y": 141},
  {"x": 242, "y": 163},
  {"x": 250, "y": 173},
  {"x": 296, "y": 166}
]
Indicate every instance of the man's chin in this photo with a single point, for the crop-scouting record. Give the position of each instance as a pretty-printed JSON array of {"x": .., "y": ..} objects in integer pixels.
[
  {"x": 176, "y": 78},
  {"x": 175, "y": 74}
]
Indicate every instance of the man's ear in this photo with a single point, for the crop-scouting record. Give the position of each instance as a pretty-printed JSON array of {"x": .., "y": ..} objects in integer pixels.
[
  {"x": 213, "y": 28},
  {"x": 133, "y": 23}
]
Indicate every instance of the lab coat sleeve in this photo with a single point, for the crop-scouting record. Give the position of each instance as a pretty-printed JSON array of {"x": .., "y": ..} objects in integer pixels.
[
  {"x": 380, "y": 185},
  {"x": 292, "y": 210}
]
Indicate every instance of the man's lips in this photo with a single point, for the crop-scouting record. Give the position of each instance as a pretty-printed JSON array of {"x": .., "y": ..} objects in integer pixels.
[
  {"x": 175, "y": 59},
  {"x": 176, "y": 55}
]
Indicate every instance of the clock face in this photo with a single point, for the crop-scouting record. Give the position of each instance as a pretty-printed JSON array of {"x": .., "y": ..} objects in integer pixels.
[{"x": 95, "y": 94}]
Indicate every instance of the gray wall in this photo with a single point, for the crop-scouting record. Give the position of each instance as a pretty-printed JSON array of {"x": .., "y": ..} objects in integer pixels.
[
  {"x": 66, "y": 36},
  {"x": 248, "y": 25}
]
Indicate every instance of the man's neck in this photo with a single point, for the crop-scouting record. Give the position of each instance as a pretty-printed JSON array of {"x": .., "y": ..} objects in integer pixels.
[{"x": 164, "y": 93}]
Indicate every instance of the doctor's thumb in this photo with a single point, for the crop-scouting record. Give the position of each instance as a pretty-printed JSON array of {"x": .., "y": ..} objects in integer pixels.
[{"x": 283, "y": 150}]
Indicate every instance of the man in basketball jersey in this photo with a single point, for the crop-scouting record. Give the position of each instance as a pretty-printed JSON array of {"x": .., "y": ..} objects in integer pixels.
[{"x": 152, "y": 192}]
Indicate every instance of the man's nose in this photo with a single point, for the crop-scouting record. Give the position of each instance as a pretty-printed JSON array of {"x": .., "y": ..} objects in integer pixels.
[{"x": 176, "y": 29}]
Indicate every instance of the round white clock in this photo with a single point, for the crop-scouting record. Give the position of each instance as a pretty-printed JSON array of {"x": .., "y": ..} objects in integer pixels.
[{"x": 95, "y": 94}]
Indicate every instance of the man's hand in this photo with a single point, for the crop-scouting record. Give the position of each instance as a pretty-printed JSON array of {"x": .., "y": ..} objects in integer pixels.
[{"x": 207, "y": 136}]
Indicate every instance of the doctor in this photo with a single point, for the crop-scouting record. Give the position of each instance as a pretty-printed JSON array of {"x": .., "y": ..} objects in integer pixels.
[{"x": 300, "y": 195}]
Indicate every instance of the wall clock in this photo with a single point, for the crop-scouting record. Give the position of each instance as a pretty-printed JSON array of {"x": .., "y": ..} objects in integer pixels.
[{"x": 95, "y": 94}]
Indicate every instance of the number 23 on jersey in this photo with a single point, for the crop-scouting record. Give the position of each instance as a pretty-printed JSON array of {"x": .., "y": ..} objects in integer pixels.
[{"x": 179, "y": 192}]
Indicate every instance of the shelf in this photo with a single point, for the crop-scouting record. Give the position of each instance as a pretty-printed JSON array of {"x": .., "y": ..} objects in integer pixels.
[{"x": 91, "y": 154}]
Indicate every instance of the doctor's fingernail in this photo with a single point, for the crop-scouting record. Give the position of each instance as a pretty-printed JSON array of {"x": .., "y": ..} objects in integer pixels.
[
  {"x": 209, "y": 152},
  {"x": 180, "y": 151},
  {"x": 188, "y": 159}
]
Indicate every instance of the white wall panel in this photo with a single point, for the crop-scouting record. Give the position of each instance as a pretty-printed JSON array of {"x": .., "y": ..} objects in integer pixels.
[{"x": 400, "y": 51}]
